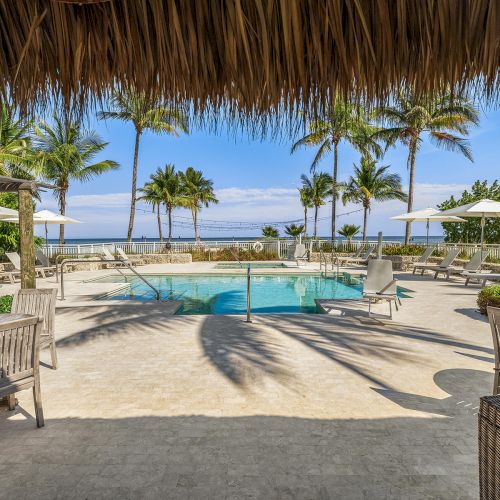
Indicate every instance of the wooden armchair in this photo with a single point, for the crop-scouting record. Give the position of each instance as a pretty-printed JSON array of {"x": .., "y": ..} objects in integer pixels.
[
  {"x": 19, "y": 360},
  {"x": 40, "y": 302},
  {"x": 494, "y": 317}
]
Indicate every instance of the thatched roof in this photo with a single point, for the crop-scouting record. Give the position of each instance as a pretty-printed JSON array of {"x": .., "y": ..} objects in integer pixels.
[{"x": 255, "y": 55}]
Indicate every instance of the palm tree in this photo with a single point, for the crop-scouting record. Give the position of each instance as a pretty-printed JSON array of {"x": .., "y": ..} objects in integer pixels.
[
  {"x": 168, "y": 184},
  {"x": 63, "y": 152},
  {"x": 294, "y": 231},
  {"x": 370, "y": 182},
  {"x": 151, "y": 194},
  {"x": 198, "y": 192},
  {"x": 346, "y": 122},
  {"x": 146, "y": 114},
  {"x": 270, "y": 232},
  {"x": 320, "y": 187},
  {"x": 306, "y": 202},
  {"x": 349, "y": 231},
  {"x": 438, "y": 117},
  {"x": 15, "y": 144}
]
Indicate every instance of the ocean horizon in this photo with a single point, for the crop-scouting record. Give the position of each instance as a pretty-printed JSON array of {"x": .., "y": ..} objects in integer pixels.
[{"x": 88, "y": 241}]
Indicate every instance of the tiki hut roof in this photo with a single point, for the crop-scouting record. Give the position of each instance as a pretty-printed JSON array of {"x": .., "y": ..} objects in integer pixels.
[{"x": 251, "y": 56}]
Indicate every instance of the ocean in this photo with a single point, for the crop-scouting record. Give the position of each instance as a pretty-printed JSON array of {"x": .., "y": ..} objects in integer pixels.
[{"x": 84, "y": 241}]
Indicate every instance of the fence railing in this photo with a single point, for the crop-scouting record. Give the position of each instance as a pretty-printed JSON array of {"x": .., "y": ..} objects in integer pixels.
[{"x": 278, "y": 247}]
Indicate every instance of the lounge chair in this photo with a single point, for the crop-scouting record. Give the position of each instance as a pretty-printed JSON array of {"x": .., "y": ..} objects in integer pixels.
[
  {"x": 380, "y": 284},
  {"x": 124, "y": 257},
  {"x": 352, "y": 259},
  {"x": 480, "y": 277},
  {"x": 16, "y": 262},
  {"x": 494, "y": 317},
  {"x": 474, "y": 265},
  {"x": 298, "y": 253},
  {"x": 109, "y": 257},
  {"x": 20, "y": 361},
  {"x": 443, "y": 265},
  {"x": 44, "y": 260},
  {"x": 424, "y": 257},
  {"x": 41, "y": 303}
]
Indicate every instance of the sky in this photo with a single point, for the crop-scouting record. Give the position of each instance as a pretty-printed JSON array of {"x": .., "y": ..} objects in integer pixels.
[{"x": 257, "y": 181}]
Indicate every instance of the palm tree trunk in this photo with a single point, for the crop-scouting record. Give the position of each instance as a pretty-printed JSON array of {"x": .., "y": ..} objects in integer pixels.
[
  {"x": 365, "y": 222},
  {"x": 62, "y": 209},
  {"x": 411, "y": 166},
  {"x": 334, "y": 188},
  {"x": 159, "y": 223},
  {"x": 315, "y": 220},
  {"x": 305, "y": 222},
  {"x": 134, "y": 186},
  {"x": 169, "y": 209},
  {"x": 195, "y": 224}
]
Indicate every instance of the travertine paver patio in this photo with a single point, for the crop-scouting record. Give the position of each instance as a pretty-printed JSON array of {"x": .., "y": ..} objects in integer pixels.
[{"x": 147, "y": 405}]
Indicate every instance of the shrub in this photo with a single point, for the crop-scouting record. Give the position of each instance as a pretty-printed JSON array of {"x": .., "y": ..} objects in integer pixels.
[
  {"x": 404, "y": 250},
  {"x": 489, "y": 296},
  {"x": 5, "y": 303},
  {"x": 232, "y": 254}
]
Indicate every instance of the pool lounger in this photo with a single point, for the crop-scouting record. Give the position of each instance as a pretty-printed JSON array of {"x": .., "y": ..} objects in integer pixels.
[{"x": 480, "y": 277}]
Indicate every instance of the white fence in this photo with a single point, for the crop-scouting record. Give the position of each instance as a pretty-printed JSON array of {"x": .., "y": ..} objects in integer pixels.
[{"x": 279, "y": 247}]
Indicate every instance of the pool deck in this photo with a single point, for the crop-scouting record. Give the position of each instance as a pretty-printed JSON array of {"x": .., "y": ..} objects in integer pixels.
[{"x": 146, "y": 404}]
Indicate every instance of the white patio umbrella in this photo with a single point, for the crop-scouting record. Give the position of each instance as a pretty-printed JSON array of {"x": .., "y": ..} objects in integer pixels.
[
  {"x": 427, "y": 215},
  {"x": 483, "y": 208},
  {"x": 8, "y": 213},
  {"x": 46, "y": 217}
]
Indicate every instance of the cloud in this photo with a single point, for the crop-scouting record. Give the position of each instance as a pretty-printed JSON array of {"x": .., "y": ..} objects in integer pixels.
[{"x": 106, "y": 215}]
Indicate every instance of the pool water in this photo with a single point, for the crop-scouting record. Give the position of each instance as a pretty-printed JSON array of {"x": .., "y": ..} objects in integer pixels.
[
  {"x": 226, "y": 294},
  {"x": 253, "y": 265}
]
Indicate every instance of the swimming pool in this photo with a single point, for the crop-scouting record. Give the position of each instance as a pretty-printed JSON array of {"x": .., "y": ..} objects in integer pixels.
[
  {"x": 226, "y": 294},
  {"x": 253, "y": 265}
]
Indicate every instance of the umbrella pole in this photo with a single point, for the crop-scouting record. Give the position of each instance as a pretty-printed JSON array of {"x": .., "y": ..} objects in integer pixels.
[
  {"x": 427, "y": 241},
  {"x": 483, "y": 221},
  {"x": 46, "y": 240}
]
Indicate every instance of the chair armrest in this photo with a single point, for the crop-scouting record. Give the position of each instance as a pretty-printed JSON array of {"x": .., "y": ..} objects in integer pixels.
[{"x": 382, "y": 290}]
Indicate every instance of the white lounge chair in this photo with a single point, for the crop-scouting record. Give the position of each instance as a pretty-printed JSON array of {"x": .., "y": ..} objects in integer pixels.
[
  {"x": 480, "y": 277},
  {"x": 124, "y": 257},
  {"x": 443, "y": 265},
  {"x": 474, "y": 265},
  {"x": 110, "y": 258},
  {"x": 424, "y": 257},
  {"x": 16, "y": 262},
  {"x": 298, "y": 253},
  {"x": 380, "y": 284},
  {"x": 44, "y": 260},
  {"x": 356, "y": 260}
]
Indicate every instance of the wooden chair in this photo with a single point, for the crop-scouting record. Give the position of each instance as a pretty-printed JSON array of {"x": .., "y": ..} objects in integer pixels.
[
  {"x": 494, "y": 317},
  {"x": 19, "y": 360},
  {"x": 40, "y": 302}
]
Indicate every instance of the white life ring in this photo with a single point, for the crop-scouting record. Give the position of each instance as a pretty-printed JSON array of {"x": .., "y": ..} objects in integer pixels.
[{"x": 258, "y": 246}]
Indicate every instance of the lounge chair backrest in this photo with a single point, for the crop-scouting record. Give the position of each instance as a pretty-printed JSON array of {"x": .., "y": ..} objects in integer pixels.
[
  {"x": 107, "y": 254},
  {"x": 40, "y": 302},
  {"x": 300, "y": 251},
  {"x": 358, "y": 251},
  {"x": 42, "y": 258},
  {"x": 122, "y": 254},
  {"x": 14, "y": 259},
  {"x": 425, "y": 256},
  {"x": 378, "y": 275},
  {"x": 494, "y": 317},
  {"x": 476, "y": 260},
  {"x": 368, "y": 252},
  {"x": 19, "y": 354},
  {"x": 450, "y": 257}
]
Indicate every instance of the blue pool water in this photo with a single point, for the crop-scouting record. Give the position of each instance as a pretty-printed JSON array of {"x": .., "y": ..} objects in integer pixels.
[{"x": 226, "y": 294}]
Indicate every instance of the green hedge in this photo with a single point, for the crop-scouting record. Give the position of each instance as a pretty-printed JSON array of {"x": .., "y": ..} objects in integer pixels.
[
  {"x": 5, "y": 303},
  {"x": 489, "y": 296}
]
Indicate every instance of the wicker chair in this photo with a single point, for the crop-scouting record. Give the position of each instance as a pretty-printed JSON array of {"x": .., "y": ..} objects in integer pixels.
[
  {"x": 494, "y": 316},
  {"x": 40, "y": 302},
  {"x": 19, "y": 360}
]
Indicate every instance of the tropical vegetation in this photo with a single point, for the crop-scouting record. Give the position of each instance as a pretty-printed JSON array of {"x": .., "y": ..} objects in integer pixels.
[
  {"x": 342, "y": 122},
  {"x": 270, "y": 232},
  {"x": 319, "y": 187},
  {"x": 294, "y": 231},
  {"x": 64, "y": 152},
  {"x": 145, "y": 113},
  {"x": 488, "y": 297},
  {"x": 305, "y": 195},
  {"x": 470, "y": 230},
  {"x": 371, "y": 182},
  {"x": 349, "y": 231},
  {"x": 198, "y": 192},
  {"x": 440, "y": 118}
]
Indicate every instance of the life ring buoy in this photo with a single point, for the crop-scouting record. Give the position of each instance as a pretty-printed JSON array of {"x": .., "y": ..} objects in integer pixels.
[{"x": 258, "y": 246}]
